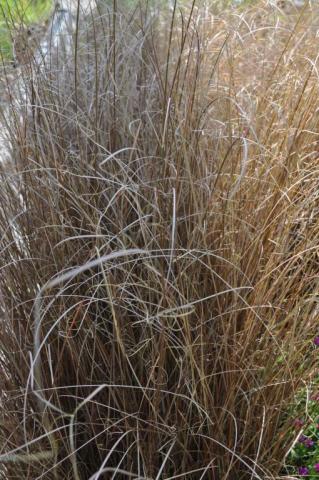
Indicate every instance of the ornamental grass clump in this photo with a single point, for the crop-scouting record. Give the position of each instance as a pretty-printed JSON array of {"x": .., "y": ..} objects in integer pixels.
[{"x": 159, "y": 246}]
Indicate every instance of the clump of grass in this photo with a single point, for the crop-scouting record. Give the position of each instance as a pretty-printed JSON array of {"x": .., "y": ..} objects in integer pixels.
[{"x": 159, "y": 245}]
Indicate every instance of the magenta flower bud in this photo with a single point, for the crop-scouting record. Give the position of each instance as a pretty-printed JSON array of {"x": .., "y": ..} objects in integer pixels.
[
  {"x": 316, "y": 467},
  {"x": 316, "y": 341}
]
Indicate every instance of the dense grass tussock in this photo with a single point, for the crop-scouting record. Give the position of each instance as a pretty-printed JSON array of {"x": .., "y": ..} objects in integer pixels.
[{"x": 159, "y": 247}]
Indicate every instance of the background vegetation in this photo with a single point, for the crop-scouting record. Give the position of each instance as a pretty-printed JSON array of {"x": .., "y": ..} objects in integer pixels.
[
  {"x": 13, "y": 13},
  {"x": 159, "y": 248}
]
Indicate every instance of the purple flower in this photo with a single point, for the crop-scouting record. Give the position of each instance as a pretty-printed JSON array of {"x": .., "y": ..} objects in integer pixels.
[
  {"x": 306, "y": 441},
  {"x": 316, "y": 467},
  {"x": 316, "y": 341},
  {"x": 303, "y": 471},
  {"x": 309, "y": 443},
  {"x": 302, "y": 439}
]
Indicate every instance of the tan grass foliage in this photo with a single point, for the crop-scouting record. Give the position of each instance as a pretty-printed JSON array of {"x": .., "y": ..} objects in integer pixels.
[{"x": 159, "y": 247}]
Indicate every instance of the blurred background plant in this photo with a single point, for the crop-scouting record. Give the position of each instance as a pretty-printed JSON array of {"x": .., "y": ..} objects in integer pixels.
[{"x": 14, "y": 13}]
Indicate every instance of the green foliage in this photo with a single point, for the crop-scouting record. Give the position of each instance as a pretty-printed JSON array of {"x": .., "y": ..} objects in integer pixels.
[
  {"x": 5, "y": 42},
  {"x": 26, "y": 11},
  {"x": 303, "y": 459},
  {"x": 14, "y": 13}
]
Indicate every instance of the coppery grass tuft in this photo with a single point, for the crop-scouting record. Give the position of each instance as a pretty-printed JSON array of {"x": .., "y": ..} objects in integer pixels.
[{"x": 159, "y": 247}]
